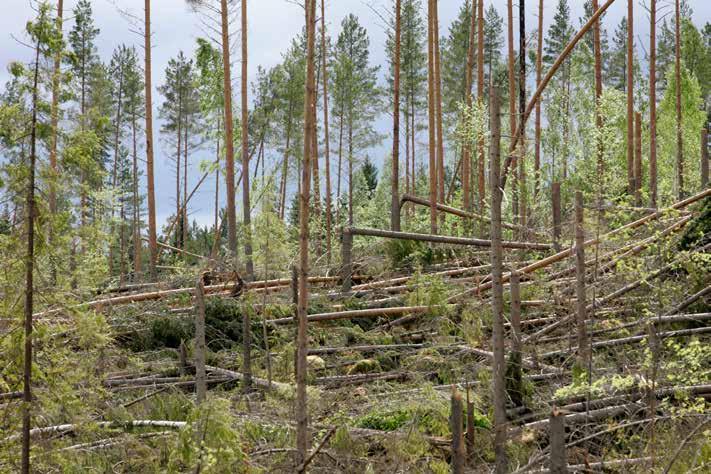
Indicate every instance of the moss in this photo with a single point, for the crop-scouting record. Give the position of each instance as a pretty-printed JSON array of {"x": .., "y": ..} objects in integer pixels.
[
  {"x": 365, "y": 366},
  {"x": 384, "y": 421}
]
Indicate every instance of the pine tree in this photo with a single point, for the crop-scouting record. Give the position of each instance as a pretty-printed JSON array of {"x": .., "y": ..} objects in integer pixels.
[
  {"x": 493, "y": 42},
  {"x": 355, "y": 92},
  {"x": 454, "y": 60}
]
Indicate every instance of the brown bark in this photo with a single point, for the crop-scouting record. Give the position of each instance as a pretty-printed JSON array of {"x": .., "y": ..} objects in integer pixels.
[
  {"x": 431, "y": 113},
  {"x": 677, "y": 74},
  {"x": 558, "y": 459},
  {"x": 152, "y": 241},
  {"x": 480, "y": 96},
  {"x": 555, "y": 190},
  {"x": 522, "y": 107},
  {"x": 704, "y": 158},
  {"x": 512, "y": 107},
  {"x": 630, "y": 97},
  {"x": 229, "y": 133},
  {"x": 516, "y": 391},
  {"x": 456, "y": 424},
  {"x": 438, "y": 105},
  {"x": 114, "y": 180},
  {"x": 327, "y": 137},
  {"x": 200, "y": 379},
  {"x": 178, "y": 213},
  {"x": 468, "y": 79},
  {"x": 246, "y": 207},
  {"x": 247, "y": 211},
  {"x": 302, "y": 421},
  {"x": 638, "y": 159},
  {"x": 583, "y": 354},
  {"x": 517, "y": 134},
  {"x": 29, "y": 275},
  {"x": 598, "y": 88},
  {"x": 184, "y": 212},
  {"x": 55, "y": 118},
  {"x": 499, "y": 363},
  {"x": 395, "y": 178},
  {"x": 136, "y": 206},
  {"x": 653, "y": 103},
  {"x": 539, "y": 70}
]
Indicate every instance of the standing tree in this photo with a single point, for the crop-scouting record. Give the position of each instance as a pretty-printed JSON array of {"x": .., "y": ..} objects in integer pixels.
[
  {"x": 395, "y": 178},
  {"x": 677, "y": 90},
  {"x": 653, "y": 103},
  {"x": 537, "y": 132},
  {"x": 302, "y": 418},
  {"x": 431, "y": 115},
  {"x": 630, "y": 97},
  {"x": 152, "y": 240},
  {"x": 246, "y": 206},
  {"x": 327, "y": 137}
]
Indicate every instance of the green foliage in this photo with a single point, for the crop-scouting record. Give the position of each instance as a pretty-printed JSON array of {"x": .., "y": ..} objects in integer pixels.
[{"x": 209, "y": 443}]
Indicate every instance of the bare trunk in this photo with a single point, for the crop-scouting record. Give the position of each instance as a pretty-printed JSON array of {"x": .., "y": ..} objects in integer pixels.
[
  {"x": 438, "y": 104},
  {"x": 516, "y": 391},
  {"x": 468, "y": 79},
  {"x": 152, "y": 240},
  {"x": 431, "y": 116},
  {"x": 55, "y": 117},
  {"x": 136, "y": 206},
  {"x": 638, "y": 159},
  {"x": 340, "y": 168},
  {"x": 630, "y": 97},
  {"x": 302, "y": 421},
  {"x": 229, "y": 135},
  {"x": 558, "y": 461},
  {"x": 704, "y": 158},
  {"x": 555, "y": 196},
  {"x": 184, "y": 214},
  {"x": 522, "y": 107},
  {"x": 539, "y": 68},
  {"x": 499, "y": 363},
  {"x": 679, "y": 136},
  {"x": 395, "y": 178},
  {"x": 512, "y": 109},
  {"x": 247, "y": 211},
  {"x": 179, "y": 149},
  {"x": 246, "y": 207},
  {"x": 583, "y": 354},
  {"x": 200, "y": 378},
  {"x": 456, "y": 423},
  {"x": 327, "y": 138},
  {"x": 480, "y": 95},
  {"x": 653, "y": 103},
  {"x": 114, "y": 178}
]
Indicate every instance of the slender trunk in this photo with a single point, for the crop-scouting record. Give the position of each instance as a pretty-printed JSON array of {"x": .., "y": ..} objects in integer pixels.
[
  {"x": 704, "y": 157},
  {"x": 122, "y": 243},
  {"x": 522, "y": 107},
  {"x": 516, "y": 391},
  {"x": 395, "y": 178},
  {"x": 583, "y": 354},
  {"x": 512, "y": 109},
  {"x": 302, "y": 420},
  {"x": 184, "y": 215},
  {"x": 285, "y": 164},
  {"x": 340, "y": 166},
  {"x": 539, "y": 69},
  {"x": 136, "y": 204},
  {"x": 350, "y": 169},
  {"x": 456, "y": 424},
  {"x": 598, "y": 92},
  {"x": 653, "y": 103},
  {"x": 438, "y": 105},
  {"x": 152, "y": 240},
  {"x": 327, "y": 138},
  {"x": 200, "y": 378},
  {"x": 480, "y": 95},
  {"x": 499, "y": 369},
  {"x": 431, "y": 116},
  {"x": 246, "y": 207},
  {"x": 178, "y": 216},
  {"x": 638, "y": 159},
  {"x": 630, "y": 96},
  {"x": 114, "y": 177},
  {"x": 217, "y": 186},
  {"x": 54, "y": 170},
  {"x": 677, "y": 74},
  {"x": 29, "y": 276},
  {"x": 229, "y": 135},
  {"x": 468, "y": 79}
]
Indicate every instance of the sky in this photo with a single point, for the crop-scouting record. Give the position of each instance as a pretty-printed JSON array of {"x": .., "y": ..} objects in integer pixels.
[{"x": 272, "y": 25}]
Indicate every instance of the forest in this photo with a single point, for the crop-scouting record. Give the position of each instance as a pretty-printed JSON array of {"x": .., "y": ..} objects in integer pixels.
[{"x": 480, "y": 245}]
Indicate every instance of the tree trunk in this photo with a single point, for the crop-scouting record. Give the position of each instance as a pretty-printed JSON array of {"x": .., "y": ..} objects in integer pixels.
[
  {"x": 677, "y": 74},
  {"x": 704, "y": 157},
  {"x": 522, "y": 108},
  {"x": 29, "y": 275},
  {"x": 558, "y": 461},
  {"x": 516, "y": 392},
  {"x": 468, "y": 79},
  {"x": 247, "y": 211},
  {"x": 438, "y": 105},
  {"x": 302, "y": 421},
  {"x": 395, "y": 178},
  {"x": 653, "y": 103},
  {"x": 630, "y": 97},
  {"x": 456, "y": 424},
  {"x": 184, "y": 214},
  {"x": 217, "y": 187},
  {"x": 340, "y": 167},
  {"x": 200, "y": 379},
  {"x": 136, "y": 205},
  {"x": 179, "y": 149},
  {"x": 229, "y": 135},
  {"x": 152, "y": 240},
  {"x": 499, "y": 368},
  {"x": 246, "y": 207},
  {"x": 480, "y": 95},
  {"x": 539, "y": 69},
  {"x": 638, "y": 159},
  {"x": 431, "y": 116},
  {"x": 512, "y": 110},
  {"x": 583, "y": 354},
  {"x": 327, "y": 138},
  {"x": 114, "y": 178}
]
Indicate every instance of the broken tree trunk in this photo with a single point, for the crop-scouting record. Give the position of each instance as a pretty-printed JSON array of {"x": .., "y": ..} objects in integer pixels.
[
  {"x": 455, "y": 421},
  {"x": 580, "y": 305},
  {"x": 200, "y": 384},
  {"x": 558, "y": 459}
]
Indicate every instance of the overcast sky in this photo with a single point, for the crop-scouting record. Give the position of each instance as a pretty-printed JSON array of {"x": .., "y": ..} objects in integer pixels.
[{"x": 272, "y": 24}]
